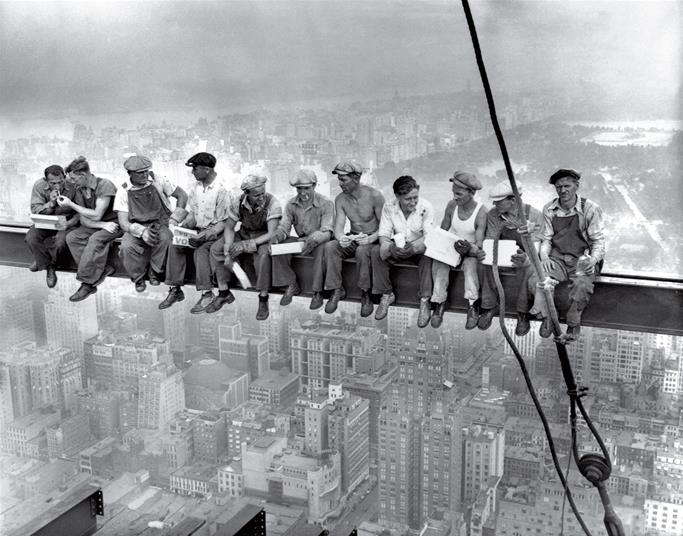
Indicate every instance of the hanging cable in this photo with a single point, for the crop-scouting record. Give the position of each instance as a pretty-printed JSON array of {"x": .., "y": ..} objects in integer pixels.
[{"x": 594, "y": 467}]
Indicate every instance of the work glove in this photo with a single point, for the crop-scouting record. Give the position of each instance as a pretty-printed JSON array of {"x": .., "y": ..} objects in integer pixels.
[
  {"x": 462, "y": 247},
  {"x": 400, "y": 253},
  {"x": 520, "y": 258},
  {"x": 249, "y": 246},
  {"x": 151, "y": 234},
  {"x": 197, "y": 241},
  {"x": 309, "y": 245}
]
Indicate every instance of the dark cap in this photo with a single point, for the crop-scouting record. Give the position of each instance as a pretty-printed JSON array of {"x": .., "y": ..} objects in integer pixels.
[
  {"x": 347, "y": 167},
  {"x": 466, "y": 180},
  {"x": 562, "y": 173},
  {"x": 202, "y": 159}
]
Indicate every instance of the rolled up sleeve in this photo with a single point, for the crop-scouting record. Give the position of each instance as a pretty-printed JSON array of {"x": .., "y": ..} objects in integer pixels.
[
  {"x": 595, "y": 231},
  {"x": 386, "y": 225},
  {"x": 327, "y": 219}
]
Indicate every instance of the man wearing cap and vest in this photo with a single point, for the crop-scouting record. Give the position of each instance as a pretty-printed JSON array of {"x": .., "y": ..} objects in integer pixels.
[
  {"x": 259, "y": 214},
  {"x": 362, "y": 205},
  {"x": 572, "y": 249},
  {"x": 89, "y": 243},
  {"x": 503, "y": 223},
  {"x": 466, "y": 218},
  {"x": 207, "y": 210},
  {"x": 45, "y": 244},
  {"x": 145, "y": 212},
  {"x": 312, "y": 216},
  {"x": 409, "y": 217}
]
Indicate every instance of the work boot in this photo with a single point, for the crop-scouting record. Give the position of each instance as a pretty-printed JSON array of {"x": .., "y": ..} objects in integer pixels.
[
  {"x": 51, "y": 277},
  {"x": 383, "y": 307},
  {"x": 83, "y": 292},
  {"x": 573, "y": 332},
  {"x": 203, "y": 303},
  {"x": 337, "y": 294},
  {"x": 140, "y": 285},
  {"x": 263, "y": 311},
  {"x": 292, "y": 290},
  {"x": 33, "y": 267},
  {"x": 223, "y": 298},
  {"x": 108, "y": 270},
  {"x": 153, "y": 278},
  {"x": 175, "y": 294},
  {"x": 316, "y": 301},
  {"x": 437, "y": 315},
  {"x": 472, "y": 316},
  {"x": 425, "y": 313},
  {"x": 365, "y": 304},
  {"x": 523, "y": 325},
  {"x": 486, "y": 317},
  {"x": 546, "y": 329}
]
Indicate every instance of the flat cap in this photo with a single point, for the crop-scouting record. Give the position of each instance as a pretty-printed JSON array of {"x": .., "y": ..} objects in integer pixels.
[
  {"x": 253, "y": 181},
  {"x": 202, "y": 159},
  {"x": 562, "y": 173},
  {"x": 137, "y": 163},
  {"x": 465, "y": 180},
  {"x": 346, "y": 167},
  {"x": 305, "y": 177},
  {"x": 502, "y": 190}
]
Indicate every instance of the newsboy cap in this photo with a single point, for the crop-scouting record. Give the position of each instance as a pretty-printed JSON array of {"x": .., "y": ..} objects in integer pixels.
[
  {"x": 137, "y": 163},
  {"x": 562, "y": 173},
  {"x": 202, "y": 159},
  {"x": 347, "y": 167},
  {"x": 253, "y": 181},
  {"x": 502, "y": 190},
  {"x": 305, "y": 177},
  {"x": 465, "y": 179}
]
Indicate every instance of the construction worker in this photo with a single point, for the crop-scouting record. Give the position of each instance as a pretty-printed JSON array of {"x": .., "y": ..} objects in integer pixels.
[
  {"x": 207, "y": 210},
  {"x": 466, "y": 218},
  {"x": 572, "y": 249},
  {"x": 145, "y": 211},
  {"x": 259, "y": 214},
  {"x": 312, "y": 216},
  {"x": 409, "y": 217},
  {"x": 362, "y": 205},
  {"x": 47, "y": 245},
  {"x": 504, "y": 223},
  {"x": 89, "y": 243}
]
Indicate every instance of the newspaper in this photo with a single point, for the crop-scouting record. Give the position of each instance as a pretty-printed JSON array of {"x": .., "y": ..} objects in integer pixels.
[{"x": 440, "y": 246}]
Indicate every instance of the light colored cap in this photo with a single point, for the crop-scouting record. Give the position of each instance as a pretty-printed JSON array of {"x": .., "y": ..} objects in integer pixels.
[
  {"x": 305, "y": 177},
  {"x": 465, "y": 179},
  {"x": 253, "y": 181},
  {"x": 346, "y": 167},
  {"x": 137, "y": 163},
  {"x": 502, "y": 190}
]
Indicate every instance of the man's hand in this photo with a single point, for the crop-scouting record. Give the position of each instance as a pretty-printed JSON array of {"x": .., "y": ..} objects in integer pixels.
[
  {"x": 546, "y": 264},
  {"x": 309, "y": 245},
  {"x": 462, "y": 247},
  {"x": 54, "y": 194},
  {"x": 401, "y": 253},
  {"x": 150, "y": 237},
  {"x": 275, "y": 239},
  {"x": 345, "y": 241},
  {"x": 111, "y": 227},
  {"x": 520, "y": 258},
  {"x": 63, "y": 201},
  {"x": 363, "y": 240},
  {"x": 198, "y": 240},
  {"x": 59, "y": 226},
  {"x": 477, "y": 252},
  {"x": 385, "y": 251},
  {"x": 528, "y": 228},
  {"x": 236, "y": 249}
]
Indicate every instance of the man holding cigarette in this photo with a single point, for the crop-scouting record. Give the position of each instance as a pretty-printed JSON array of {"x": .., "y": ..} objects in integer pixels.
[{"x": 312, "y": 216}]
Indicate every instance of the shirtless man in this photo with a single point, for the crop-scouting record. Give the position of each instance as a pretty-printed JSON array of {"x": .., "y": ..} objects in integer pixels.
[{"x": 362, "y": 205}]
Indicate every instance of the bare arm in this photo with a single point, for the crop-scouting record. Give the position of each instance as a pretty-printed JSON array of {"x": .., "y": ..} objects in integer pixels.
[
  {"x": 265, "y": 238},
  {"x": 181, "y": 197},
  {"x": 94, "y": 214},
  {"x": 339, "y": 219},
  {"x": 124, "y": 222},
  {"x": 228, "y": 235}
]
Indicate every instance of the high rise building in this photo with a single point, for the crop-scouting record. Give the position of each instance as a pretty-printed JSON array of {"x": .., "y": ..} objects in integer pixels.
[
  {"x": 6, "y": 404},
  {"x": 209, "y": 437},
  {"x": 248, "y": 353},
  {"x": 399, "y": 319},
  {"x": 211, "y": 384},
  {"x": 102, "y": 409},
  {"x": 17, "y": 372},
  {"x": 169, "y": 324},
  {"x": 66, "y": 439},
  {"x": 275, "y": 388},
  {"x": 16, "y": 317},
  {"x": 316, "y": 425},
  {"x": 349, "y": 433},
  {"x": 483, "y": 456},
  {"x": 161, "y": 396}
]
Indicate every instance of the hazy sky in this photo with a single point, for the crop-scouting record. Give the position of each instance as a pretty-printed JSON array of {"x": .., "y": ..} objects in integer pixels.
[{"x": 60, "y": 57}]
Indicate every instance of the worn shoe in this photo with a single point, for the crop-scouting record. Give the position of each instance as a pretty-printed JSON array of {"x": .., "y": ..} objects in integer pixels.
[
  {"x": 383, "y": 307},
  {"x": 203, "y": 303},
  {"x": 34, "y": 267},
  {"x": 337, "y": 294},
  {"x": 140, "y": 285},
  {"x": 83, "y": 292},
  {"x": 219, "y": 301},
  {"x": 425, "y": 313},
  {"x": 263, "y": 311},
  {"x": 546, "y": 329},
  {"x": 486, "y": 317},
  {"x": 154, "y": 279},
  {"x": 51, "y": 277},
  {"x": 523, "y": 325},
  {"x": 573, "y": 332},
  {"x": 437, "y": 315},
  {"x": 316, "y": 301},
  {"x": 366, "y": 306},
  {"x": 175, "y": 294},
  {"x": 108, "y": 270},
  {"x": 292, "y": 290},
  {"x": 472, "y": 316}
]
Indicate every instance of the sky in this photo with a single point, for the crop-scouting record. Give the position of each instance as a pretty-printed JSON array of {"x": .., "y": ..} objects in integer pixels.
[{"x": 61, "y": 58}]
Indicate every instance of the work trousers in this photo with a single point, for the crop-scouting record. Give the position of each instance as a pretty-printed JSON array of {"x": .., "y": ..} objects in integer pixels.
[
  {"x": 283, "y": 275},
  {"x": 381, "y": 278},
  {"x": 137, "y": 256},
  {"x": 176, "y": 263},
  {"x": 45, "y": 245},
  {"x": 441, "y": 273},
  {"x": 335, "y": 254},
  {"x": 259, "y": 261},
  {"x": 580, "y": 289},
  {"x": 90, "y": 248},
  {"x": 489, "y": 292}
]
